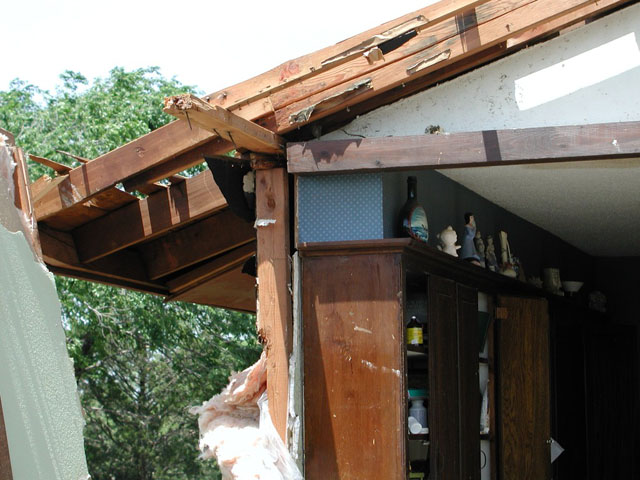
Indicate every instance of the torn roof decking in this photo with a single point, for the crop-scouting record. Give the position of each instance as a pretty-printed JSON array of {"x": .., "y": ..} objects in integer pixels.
[{"x": 102, "y": 226}]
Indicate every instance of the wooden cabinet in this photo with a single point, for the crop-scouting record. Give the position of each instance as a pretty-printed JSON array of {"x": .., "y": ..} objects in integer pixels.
[{"x": 355, "y": 297}]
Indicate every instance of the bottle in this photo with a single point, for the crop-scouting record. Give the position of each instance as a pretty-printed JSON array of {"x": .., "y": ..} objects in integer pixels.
[
  {"x": 418, "y": 411},
  {"x": 413, "y": 218},
  {"x": 414, "y": 332}
]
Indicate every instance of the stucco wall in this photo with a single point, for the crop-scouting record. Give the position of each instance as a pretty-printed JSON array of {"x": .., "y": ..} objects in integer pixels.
[{"x": 41, "y": 408}]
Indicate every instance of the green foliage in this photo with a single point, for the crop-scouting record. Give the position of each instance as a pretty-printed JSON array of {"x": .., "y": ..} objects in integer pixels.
[
  {"x": 86, "y": 120},
  {"x": 139, "y": 363}
]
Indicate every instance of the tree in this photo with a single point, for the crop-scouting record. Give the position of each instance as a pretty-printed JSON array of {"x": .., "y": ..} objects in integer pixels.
[{"x": 139, "y": 363}]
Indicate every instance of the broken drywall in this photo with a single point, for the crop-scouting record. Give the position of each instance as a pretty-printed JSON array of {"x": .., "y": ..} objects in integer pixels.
[{"x": 42, "y": 413}]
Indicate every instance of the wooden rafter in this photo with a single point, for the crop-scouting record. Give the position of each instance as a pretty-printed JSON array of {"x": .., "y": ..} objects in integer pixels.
[
  {"x": 123, "y": 268},
  {"x": 240, "y": 132},
  {"x": 215, "y": 146},
  {"x": 90, "y": 179},
  {"x": 210, "y": 269},
  {"x": 59, "y": 168},
  {"x": 250, "y": 97},
  {"x": 141, "y": 221},
  {"x": 467, "y": 149},
  {"x": 422, "y": 63},
  {"x": 195, "y": 243}
]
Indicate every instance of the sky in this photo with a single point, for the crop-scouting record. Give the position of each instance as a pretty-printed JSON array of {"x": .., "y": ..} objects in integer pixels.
[{"x": 208, "y": 44}]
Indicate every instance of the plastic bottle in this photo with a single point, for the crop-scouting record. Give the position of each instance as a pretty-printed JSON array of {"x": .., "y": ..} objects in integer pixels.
[{"x": 418, "y": 411}]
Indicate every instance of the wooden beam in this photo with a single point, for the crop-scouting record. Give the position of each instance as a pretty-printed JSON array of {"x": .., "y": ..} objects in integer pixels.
[
  {"x": 23, "y": 200},
  {"x": 242, "y": 133},
  {"x": 103, "y": 172},
  {"x": 468, "y": 149},
  {"x": 250, "y": 98},
  {"x": 5, "y": 458},
  {"x": 145, "y": 219},
  {"x": 464, "y": 24},
  {"x": 195, "y": 243},
  {"x": 274, "y": 315},
  {"x": 211, "y": 269},
  {"x": 123, "y": 268},
  {"x": 59, "y": 168},
  {"x": 75, "y": 157},
  {"x": 422, "y": 63},
  {"x": 564, "y": 21},
  {"x": 215, "y": 146}
]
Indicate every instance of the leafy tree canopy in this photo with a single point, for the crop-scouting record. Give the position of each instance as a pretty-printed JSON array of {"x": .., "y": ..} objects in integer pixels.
[{"x": 139, "y": 363}]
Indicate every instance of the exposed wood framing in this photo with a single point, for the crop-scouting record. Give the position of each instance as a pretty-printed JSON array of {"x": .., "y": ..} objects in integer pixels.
[
  {"x": 193, "y": 157},
  {"x": 187, "y": 201},
  {"x": 5, "y": 458},
  {"x": 327, "y": 82},
  {"x": 242, "y": 133},
  {"x": 425, "y": 61},
  {"x": 210, "y": 269},
  {"x": 250, "y": 98},
  {"x": 75, "y": 157},
  {"x": 274, "y": 283},
  {"x": 563, "y": 22},
  {"x": 120, "y": 164},
  {"x": 195, "y": 243},
  {"x": 23, "y": 200},
  {"x": 492, "y": 147},
  {"x": 123, "y": 268},
  {"x": 59, "y": 168}
]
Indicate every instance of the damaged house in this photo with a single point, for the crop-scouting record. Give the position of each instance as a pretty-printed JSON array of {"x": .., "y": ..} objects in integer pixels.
[{"x": 525, "y": 113}]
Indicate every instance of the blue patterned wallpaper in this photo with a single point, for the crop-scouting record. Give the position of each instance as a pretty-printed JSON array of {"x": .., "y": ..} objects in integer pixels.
[{"x": 339, "y": 207}]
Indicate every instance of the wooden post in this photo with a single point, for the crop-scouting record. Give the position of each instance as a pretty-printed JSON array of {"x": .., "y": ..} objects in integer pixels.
[{"x": 274, "y": 283}]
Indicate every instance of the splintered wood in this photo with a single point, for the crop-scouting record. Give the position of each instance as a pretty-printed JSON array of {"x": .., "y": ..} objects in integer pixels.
[{"x": 242, "y": 133}]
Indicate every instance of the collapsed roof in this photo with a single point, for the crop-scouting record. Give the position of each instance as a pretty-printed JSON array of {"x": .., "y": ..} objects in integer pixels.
[{"x": 182, "y": 240}]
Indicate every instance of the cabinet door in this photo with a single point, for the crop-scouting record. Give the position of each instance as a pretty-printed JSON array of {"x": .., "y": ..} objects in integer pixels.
[
  {"x": 453, "y": 379},
  {"x": 354, "y": 382},
  {"x": 524, "y": 399}
]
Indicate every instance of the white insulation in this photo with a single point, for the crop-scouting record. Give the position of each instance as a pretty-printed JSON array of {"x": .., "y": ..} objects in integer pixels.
[{"x": 236, "y": 430}]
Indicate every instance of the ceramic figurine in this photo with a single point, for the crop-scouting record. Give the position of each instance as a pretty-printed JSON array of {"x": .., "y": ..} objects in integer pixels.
[
  {"x": 491, "y": 260},
  {"x": 480, "y": 249},
  {"x": 448, "y": 238},
  {"x": 506, "y": 268},
  {"x": 468, "y": 251}
]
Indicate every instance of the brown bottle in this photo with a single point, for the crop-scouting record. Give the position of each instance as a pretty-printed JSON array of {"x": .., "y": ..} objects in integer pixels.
[{"x": 413, "y": 219}]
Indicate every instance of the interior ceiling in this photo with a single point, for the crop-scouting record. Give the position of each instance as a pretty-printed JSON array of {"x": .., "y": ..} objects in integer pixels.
[{"x": 593, "y": 205}]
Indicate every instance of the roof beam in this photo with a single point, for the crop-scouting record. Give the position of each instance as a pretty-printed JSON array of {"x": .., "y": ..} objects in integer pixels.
[
  {"x": 191, "y": 158},
  {"x": 470, "y": 42},
  {"x": 195, "y": 243},
  {"x": 242, "y": 133},
  {"x": 123, "y": 268},
  {"x": 250, "y": 98},
  {"x": 564, "y": 21},
  {"x": 89, "y": 179},
  {"x": 145, "y": 219},
  {"x": 468, "y": 149},
  {"x": 210, "y": 269}
]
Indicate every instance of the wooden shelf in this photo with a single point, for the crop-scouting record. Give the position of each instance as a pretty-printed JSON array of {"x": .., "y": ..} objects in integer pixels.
[{"x": 418, "y": 436}]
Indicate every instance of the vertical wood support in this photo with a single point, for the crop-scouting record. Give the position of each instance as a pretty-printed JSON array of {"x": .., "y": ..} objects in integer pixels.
[
  {"x": 274, "y": 284},
  {"x": 22, "y": 200}
]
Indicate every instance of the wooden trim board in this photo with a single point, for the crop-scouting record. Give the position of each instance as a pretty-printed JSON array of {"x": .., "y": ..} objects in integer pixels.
[{"x": 467, "y": 149}]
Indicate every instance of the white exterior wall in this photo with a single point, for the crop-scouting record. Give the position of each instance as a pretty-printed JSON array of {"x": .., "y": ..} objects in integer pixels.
[
  {"x": 589, "y": 75},
  {"x": 42, "y": 413}
]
